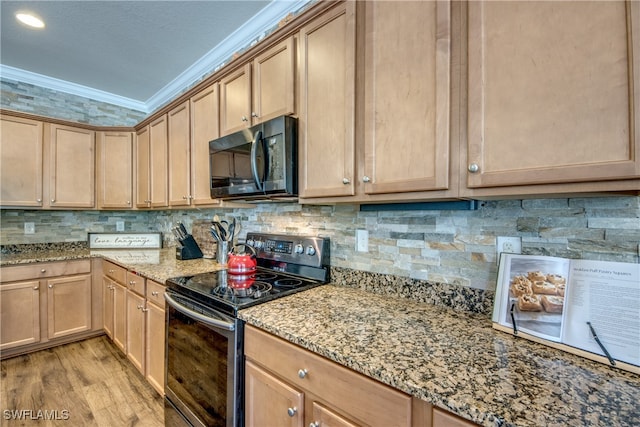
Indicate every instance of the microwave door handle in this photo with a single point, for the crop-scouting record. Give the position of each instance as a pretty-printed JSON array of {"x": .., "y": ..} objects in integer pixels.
[{"x": 257, "y": 139}]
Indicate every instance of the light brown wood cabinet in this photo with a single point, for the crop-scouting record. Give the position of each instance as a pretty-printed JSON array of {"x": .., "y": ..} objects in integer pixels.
[
  {"x": 155, "y": 335},
  {"x": 442, "y": 418},
  {"x": 326, "y": 125},
  {"x": 152, "y": 161},
  {"x": 403, "y": 151},
  {"x": 287, "y": 385},
  {"x": 260, "y": 90},
  {"x": 70, "y": 167},
  {"x": 204, "y": 128},
  {"x": 115, "y": 170},
  {"x": 21, "y": 154},
  {"x": 45, "y": 304},
  {"x": 179, "y": 155},
  {"x": 135, "y": 347},
  {"x": 114, "y": 303},
  {"x": 552, "y": 97}
]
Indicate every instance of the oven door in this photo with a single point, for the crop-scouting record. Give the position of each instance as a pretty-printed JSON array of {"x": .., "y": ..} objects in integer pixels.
[{"x": 204, "y": 363}]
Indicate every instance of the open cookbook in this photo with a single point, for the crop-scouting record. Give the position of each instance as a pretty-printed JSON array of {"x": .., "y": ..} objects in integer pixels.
[{"x": 590, "y": 308}]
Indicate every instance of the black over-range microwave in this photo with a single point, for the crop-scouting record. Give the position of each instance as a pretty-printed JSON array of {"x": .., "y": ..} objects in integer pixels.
[{"x": 256, "y": 163}]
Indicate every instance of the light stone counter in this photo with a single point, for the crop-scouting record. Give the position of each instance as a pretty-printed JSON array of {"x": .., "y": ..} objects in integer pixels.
[{"x": 452, "y": 359}]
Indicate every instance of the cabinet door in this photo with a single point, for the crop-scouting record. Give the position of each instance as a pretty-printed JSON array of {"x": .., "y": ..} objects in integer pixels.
[
  {"x": 204, "y": 128},
  {"x": 179, "y": 156},
  {"x": 552, "y": 92},
  {"x": 407, "y": 56},
  {"x": 71, "y": 167},
  {"x": 270, "y": 400},
  {"x": 326, "y": 124},
  {"x": 135, "y": 330},
  {"x": 108, "y": 294},
  {"x": 20, "y": 162},
  {"x": 115, "y": 171},
  {"x": 120, "y": 316},
  {"x": 323, "y": 416},
  {"x": 158, "y": 163},
  {"x": 143, "y": 158},
  {"x": 273, "y": 82},
  {"x": 155, "y": 346},
  {"x": 20, "y": 314},
  {"x": 68, "y": 305},
  {"x": 445, "y": 419},
  {"x": 235, "y": 101}
]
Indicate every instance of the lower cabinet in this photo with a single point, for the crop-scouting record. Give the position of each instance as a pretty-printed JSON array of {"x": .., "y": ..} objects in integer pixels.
[
  {"x": 155, "y": 339},
  {"x": 135, "y": 347},
  {"x": 289, "y": 386},
  {"x": 45, "y": 304}
]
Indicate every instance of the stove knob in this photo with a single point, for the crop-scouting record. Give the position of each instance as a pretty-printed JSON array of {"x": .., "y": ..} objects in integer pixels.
[
  {"x": 299, "y": 249},
  {"x": 311, "y": 250}
]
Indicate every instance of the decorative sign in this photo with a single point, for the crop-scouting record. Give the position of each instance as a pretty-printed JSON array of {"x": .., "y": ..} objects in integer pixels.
[
  {"x": 125, "y": 240},
  {"x": 136, "y": 256}
]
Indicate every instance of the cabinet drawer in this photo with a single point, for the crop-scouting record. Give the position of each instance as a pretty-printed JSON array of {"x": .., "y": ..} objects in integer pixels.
[
  {"x": 363, "y": 398},
  {"x": 155, "y": 293},
  {"x": 43, "y": 270},
  {"x": 136, "y": 283},
  {"x": 114, "y": 272}
]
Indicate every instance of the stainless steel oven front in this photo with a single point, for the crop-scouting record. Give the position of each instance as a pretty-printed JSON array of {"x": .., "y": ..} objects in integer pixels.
[{"x": 204, "y": 365}]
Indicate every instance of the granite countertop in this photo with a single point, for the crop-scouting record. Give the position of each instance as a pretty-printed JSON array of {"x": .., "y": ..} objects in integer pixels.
[{"x": 454, "y": 360}]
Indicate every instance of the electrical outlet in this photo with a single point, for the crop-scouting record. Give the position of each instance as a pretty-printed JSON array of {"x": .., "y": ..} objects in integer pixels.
[
  {"x": 362, "y": 241},
  {"x": 29, "y": 228},
  {"x": 512, "y": 245},
  {"x": 119, "y": 225}
]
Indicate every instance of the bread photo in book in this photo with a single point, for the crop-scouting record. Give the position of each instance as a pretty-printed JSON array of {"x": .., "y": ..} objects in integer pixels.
[
  {"x": 542, "y": 287},
  {"x": 529, "y": 303},
  {"x": 552, "y": 303}
]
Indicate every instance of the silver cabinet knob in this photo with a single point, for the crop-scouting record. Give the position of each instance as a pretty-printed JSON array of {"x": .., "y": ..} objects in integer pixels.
[
  {"x": 144, "y": 310},
  {"x": 244, "y": 119},
  {"x": 366, "y": 179},
  {"x": 473, "y": 168},
  {"x": 39, "y": 200},
  {"x": 132, "y": 283},
  {"x": 302, "y": 373},
  {"x": 292, "y": 411},
  {"x": 346, "y": 181},
  {"x": 253, "y": 114},
  {"x": 139, "y": 307},
  {"x": 154, "y": 293},
  {"x": 315, "y": 424},
  {"x": 50, "y": 286},
  {"x": 128, "y": 202},
  {"x": 35, "y": 288},
  {"x": 53, "y": 200},
  {"x": 43, "y": 271}
]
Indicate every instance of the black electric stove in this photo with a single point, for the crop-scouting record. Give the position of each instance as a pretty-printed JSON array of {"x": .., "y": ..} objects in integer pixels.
[{"x": 286, "y": 265}]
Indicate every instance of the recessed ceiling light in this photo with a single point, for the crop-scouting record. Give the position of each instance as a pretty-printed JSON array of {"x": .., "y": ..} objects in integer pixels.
[{"x": 30, "y": 20}]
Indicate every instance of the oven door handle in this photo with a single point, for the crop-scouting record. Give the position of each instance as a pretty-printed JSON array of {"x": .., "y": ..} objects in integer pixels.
[{"x": 230, "y": 326}]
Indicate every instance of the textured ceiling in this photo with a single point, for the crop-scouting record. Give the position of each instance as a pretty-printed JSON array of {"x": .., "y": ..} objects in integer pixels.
[{"x": 132, "y": 49}]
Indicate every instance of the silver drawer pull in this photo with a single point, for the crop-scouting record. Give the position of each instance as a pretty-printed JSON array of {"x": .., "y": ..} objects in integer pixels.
[
  {"x": 292, "y": 411},
  {"x": 154, "y": 293},
  {"x": 302, "y": 373},
  {"x": 43, "y": 271},
  {"x": 315, "y": 424}
]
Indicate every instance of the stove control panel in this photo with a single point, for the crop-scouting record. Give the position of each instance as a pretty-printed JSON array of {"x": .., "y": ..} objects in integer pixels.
[{"x": 302, "y": 250}]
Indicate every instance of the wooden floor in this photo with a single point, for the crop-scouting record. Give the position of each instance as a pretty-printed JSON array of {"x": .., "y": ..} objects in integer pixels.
[{"x": 91, "y": 380}]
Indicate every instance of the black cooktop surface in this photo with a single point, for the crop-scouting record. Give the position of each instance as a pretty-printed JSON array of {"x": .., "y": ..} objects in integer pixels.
[{"x": 230, "y": 293}]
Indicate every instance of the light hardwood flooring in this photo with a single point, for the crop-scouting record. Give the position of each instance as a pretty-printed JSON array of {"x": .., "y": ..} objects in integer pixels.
[{"x": 91, "y": 379}]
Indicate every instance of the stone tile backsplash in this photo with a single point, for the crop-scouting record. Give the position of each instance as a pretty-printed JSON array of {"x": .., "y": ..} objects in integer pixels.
[{"x": 450, "y": 247}]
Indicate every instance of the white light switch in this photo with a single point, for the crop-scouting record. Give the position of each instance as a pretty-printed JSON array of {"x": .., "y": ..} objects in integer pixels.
[
  {"x": 119, "y": 225},
  {"x": 362, "y": 241}
]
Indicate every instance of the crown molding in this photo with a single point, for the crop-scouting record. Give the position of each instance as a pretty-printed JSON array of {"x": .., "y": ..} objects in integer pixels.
[
  {"x": 252, "y": 30},
  {"x": 47, "y": 82}
]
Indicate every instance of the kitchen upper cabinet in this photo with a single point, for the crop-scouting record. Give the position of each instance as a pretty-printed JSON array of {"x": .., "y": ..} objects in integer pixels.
[
  {"x": 407, "y": 97},
  {"x": 70, "y": 167},
  {"x": 152, "y": 165},
  {"x": 21, "y": 150},
  {"x": 179, "y": 155},
  {"x": 259, "y": 90},
  {"x": 326, "y": 125},
  {"x": 553, "y": 90},
  {"x": 204, "y": 128},
  {"x": 115, "y": 170}
]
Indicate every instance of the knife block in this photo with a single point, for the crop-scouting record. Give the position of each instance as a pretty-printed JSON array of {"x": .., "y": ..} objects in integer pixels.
[{"x": 189, "y": 249}]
